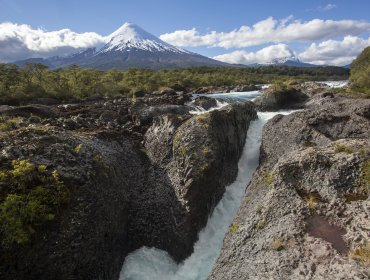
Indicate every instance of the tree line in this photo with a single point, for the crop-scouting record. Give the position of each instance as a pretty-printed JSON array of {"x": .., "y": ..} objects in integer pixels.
[{"x": 34, "y": 81}]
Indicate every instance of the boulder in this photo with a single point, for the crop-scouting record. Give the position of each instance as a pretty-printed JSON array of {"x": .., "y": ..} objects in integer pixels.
[
  {"x": 26, "y": 111},
  {"x": 205, "y": 102},
  {"x": 278, "y": 97},
  {"x": 143, "y": 115}
]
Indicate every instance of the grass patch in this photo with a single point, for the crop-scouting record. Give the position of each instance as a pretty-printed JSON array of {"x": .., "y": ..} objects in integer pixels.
[
  {"x": 205, "y": 150},
  {"x": 312, "y": 201},
  {"x": 342, "y": 148},
  {"x": 261, "y": 224},
  {"x": 362, "y": 254},
  {"x": 182, "y": 150},
  {"x": 78, "y": 148},
  {"x": 10, "y": 124},
  {"x": 311, "y": 198},
  {"x": 364, "y": 179},
  {"x": 269, "y": 178},
  {"x": 277, "y": 244},
  {"x": 234, "y": 228}
]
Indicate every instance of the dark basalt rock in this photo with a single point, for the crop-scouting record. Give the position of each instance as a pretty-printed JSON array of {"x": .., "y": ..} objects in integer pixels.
[
  {"x": 276, "y": 98},
  {"x": 123, "y": 195},
  {"x": 205, "y": 102},
  {"x": 320, "y": 125},
  {"x": 199, "y": 156},
  {"x": 145, "y": 114},
  {"x": 85, "y": 241},
  {"x": 305, "y": 211}
]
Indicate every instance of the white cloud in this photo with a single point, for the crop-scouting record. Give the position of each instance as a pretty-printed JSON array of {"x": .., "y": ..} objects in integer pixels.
[
  {"x": 334, "y": 52},
  {"x": 264, "y": 55},
  {"x": 20, "y": 41},
  {"x": 268, "y": 31},
  {"x": 329, "y": 52},
  {"x": 328, "y": 7}
]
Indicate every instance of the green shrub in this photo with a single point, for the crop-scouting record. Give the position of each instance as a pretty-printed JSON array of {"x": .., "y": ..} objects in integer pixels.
[
  {"x": 10, "y": 124},
  {"x": 360, "y": 72},
  {"x": 34, "y": 197}
]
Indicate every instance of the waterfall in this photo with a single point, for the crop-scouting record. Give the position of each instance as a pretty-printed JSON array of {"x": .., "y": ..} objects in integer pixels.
[{"x": 154, "y": 264}]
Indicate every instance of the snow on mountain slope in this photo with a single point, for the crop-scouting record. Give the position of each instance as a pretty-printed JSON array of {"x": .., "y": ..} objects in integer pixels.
[
  {"x": 284, "y": 60},
  {"x": 130, "y": 36}
]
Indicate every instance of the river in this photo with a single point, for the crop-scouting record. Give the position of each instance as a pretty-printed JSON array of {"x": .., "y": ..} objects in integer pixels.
[{"x": 154, "y": 264}]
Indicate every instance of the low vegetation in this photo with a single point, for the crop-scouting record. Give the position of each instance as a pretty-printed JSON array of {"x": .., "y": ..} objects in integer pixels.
[
  {"x": 360, "y": 73},
  {"x": 269, "y": 178},
  {"x": 21, "y": 85},
  {"x": 362, "y": 254},
  {"x": 234, "y": 228},
  {"x": 277, "y": 244},
  {"x": 342, "y": 148},
  {"x": 261, "y": 224},
  {"x": 364, "y": 180},
  {"x": 31, "y": 196},
  {"x": 10, "y": 124}
]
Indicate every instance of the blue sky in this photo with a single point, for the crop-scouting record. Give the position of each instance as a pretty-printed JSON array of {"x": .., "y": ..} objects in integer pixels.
[{"x": 165, "y": 16}]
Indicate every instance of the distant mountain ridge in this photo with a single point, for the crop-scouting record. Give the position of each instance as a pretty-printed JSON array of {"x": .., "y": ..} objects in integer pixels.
[
  {"x": 130, "y": 46},
  {"x": 284, "y": 61}
]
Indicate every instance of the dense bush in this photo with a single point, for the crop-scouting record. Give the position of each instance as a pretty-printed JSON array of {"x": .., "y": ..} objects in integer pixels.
[
  {"x": 20, "y": 85},
  {"x": 32, "y": 195},
  {"x": 360, "y": 72}
]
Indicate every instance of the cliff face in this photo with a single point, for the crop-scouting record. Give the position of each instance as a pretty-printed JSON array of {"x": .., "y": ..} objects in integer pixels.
[
  {"x": 199, "y": 156},
  {"x": 100, "y": 179},
  {"x": 305, "y": 214}
]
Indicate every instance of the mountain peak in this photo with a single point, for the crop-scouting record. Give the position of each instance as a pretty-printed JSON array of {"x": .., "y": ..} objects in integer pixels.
[
  {"x": 130, "y": 31},
  {"x": 283, "y": 60},
  {"x": 132, "y": 37}
]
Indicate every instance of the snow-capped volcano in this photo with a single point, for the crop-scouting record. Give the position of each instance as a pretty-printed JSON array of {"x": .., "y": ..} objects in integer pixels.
[
  {"x": 130, "y": 46},
  {"x": 130, "y": 36},
  {"x": 283, "y": 60}
]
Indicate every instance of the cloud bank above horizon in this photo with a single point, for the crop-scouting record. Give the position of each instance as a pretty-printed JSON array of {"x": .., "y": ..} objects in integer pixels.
[
  {"x": 333, "y": 42},
  {"x": 269, "y": 30},
  {"x": 21, "y": 41}
]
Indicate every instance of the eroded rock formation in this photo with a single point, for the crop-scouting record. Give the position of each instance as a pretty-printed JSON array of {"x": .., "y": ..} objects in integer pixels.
[{"x": 306, "y": 212}]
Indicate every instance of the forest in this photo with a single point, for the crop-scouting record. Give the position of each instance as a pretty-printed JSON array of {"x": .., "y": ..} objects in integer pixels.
[{"x": 35, "y": 81}]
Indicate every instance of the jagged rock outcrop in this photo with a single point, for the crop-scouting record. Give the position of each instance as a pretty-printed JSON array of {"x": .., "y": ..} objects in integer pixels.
[
  {"x": 199, "y": 155},
  {"x": 277, "y": 97},
  {"x": 83, "y": 240},
  {"x": 306, "y": 212},
  {"x": 109, "y": 194},
  {"x": 205, "y": 102}
]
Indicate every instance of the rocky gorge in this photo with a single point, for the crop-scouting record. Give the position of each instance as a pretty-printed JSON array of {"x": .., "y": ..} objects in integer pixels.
[
  {"x": 101, "y": 178},
  {"x": 82, "y": 185},
  {"x": 305, "y": 214}
]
